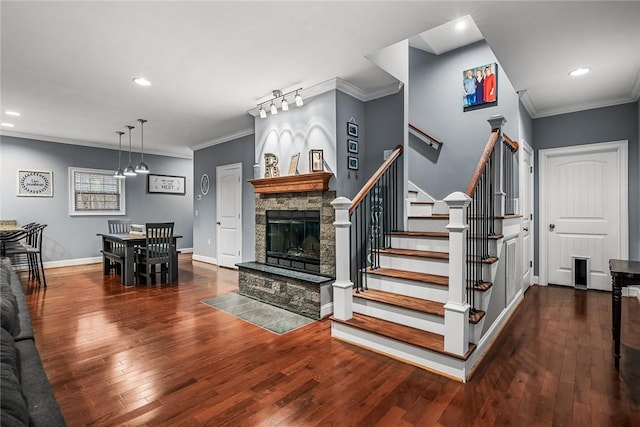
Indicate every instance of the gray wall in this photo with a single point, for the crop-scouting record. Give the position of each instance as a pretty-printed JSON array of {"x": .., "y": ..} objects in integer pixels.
[
  {"x": 348, "y": 183},
  {"x": 68, "y": 237},
  {"x": 241, "y": 150},
  {"x": 620, "y": 122},
  {"x": 435, "y": 106}
]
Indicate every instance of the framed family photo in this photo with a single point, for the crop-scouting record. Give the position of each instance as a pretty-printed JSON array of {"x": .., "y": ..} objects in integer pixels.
[
  {"x": 480, "y": 87},
  {"x": 316, "y": 161}
]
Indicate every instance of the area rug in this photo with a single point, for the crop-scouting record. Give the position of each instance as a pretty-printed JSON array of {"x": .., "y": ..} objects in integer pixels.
[{"x": 273, "y": 319}]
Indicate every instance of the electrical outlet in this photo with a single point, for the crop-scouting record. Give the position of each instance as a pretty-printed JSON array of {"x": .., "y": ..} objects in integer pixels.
[
  {"x": 208, "y": 241},
  {"x": 196, "y": 213}
]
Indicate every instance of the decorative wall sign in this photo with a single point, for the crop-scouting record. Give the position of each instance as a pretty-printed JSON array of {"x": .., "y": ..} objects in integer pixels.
[
  {"x": 480, "y": 86},
  {"x": 352, "y": 163},
  {"x": 204, "y": 184},
  {"x": 352, "y": 146},
  {"x": 35, "y": 183},
  {"x": 166, "y": 184},
  {"x": 271, "y": 165},
  {"x": 352, "y": 129},
  {"x": 316, "y": 161},
  {"x": 293, "y": 165}
]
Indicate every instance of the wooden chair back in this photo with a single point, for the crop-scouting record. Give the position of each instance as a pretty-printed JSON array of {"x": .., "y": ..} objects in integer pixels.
[{"x": 119, "y": 225}]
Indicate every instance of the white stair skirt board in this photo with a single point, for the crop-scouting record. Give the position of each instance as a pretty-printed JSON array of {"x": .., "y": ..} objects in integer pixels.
[
  {"x": 420, "y": 194},
  {"x": 429, "y": 360},
  {"x": 409, "y": 288},
  {"x": 400, "y": 315},
  {"x": 420, "y": 209},
  {"x": 494, "y": 331},
  {"x": 482, "y": 300},
  {"x": 417, "y": 264},
  {"x": 437, "y": 244},
  {"x": 427, "y": 224}
]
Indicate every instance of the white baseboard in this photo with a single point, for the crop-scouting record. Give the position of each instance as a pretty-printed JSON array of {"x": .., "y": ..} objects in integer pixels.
[
  {"x": 326, "y": 310},
  {"x": 202, "y": 258},
  {"x": 186, "y": 250},
  {"x": 536, "y": 280},
  {"x": 72, "y": 262}
]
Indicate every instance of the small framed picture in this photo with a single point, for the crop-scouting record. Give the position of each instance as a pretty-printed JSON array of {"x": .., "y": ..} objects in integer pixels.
[
  {"x": 166, "y": 184},
  {"x": 32, "y": 183},
  {"x": 293, "y": 165},
  {"x": 352, "y": 129},
  {"x": 316, "y": 161},
  {"x": 353, "y": 163},
  {"x": 352, "y": 146}
]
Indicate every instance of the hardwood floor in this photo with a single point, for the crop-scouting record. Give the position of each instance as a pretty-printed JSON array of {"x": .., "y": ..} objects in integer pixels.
[{"x": 157, "y": 356}]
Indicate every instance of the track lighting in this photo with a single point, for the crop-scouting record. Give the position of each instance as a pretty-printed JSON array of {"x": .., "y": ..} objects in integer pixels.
[{"x": 284, "y": 104}]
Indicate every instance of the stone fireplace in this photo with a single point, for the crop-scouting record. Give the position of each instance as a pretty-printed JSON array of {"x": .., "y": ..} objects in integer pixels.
[{"x": 295, "y": 245}]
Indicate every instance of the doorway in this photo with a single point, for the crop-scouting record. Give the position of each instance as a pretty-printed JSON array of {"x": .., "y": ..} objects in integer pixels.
[
  {"x": 229, "y": 214},
  {"x": 583, "y": 211}
]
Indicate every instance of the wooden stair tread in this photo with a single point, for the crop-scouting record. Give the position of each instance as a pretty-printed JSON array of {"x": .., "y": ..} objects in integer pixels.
[
  {"x": 492, "y": 237},
  {"x": 482, "y": 287},
  {"x": 433, "y": 279},
  {"x": 416, "y": 337},
  {"x": 403, "y": 301},
  {"x": 416, "y": 202},
  {"x": 415, "y": 253},
  {"x": 489, "y": 260},
  {"x": 432, "y": 234},
  {"x": 475, "y": 317}
]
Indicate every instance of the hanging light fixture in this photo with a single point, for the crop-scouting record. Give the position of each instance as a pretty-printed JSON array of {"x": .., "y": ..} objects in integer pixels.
[
  {"x": 119, "y": 174},
  {"x": 298, "y": 99},
  {"x": 142, "y": 166},
  {"x": 273, "y": 107},
  {"x": 263, "y": 113},
  {"x": 285, "y": 104},
  {"x": 129, "y": 170}
]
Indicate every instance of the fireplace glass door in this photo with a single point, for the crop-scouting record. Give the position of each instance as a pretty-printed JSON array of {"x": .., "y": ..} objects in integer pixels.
[{"x": 293, "y": 239}]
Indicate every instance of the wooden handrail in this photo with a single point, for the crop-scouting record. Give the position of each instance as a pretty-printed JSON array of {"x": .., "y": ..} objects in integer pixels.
[
  {"x": 423, "y": 133},
  {"x": 513, "y": 145},
  {"x": 374, "y": 178},
  {"x": 486, "y": 154}
]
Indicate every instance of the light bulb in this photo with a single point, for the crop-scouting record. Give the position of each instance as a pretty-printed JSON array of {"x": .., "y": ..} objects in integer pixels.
[
  {"x": 285, "y": 105},
  {"x": 299, "y": 101},
  {"x": 263, "y": 113},
  {"x": 274, "y": 109}
]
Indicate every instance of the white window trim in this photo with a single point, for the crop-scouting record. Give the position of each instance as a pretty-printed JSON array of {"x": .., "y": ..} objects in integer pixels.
[{"x": 72, "y": 194}]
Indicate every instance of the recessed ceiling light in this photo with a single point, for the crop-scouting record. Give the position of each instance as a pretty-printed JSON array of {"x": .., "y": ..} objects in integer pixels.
[
  {"x": 579, "y": 71},
  {"x": 142, "y": 81},
  {"x": 12, "y": 113},
  {"x": 461, "y": 26},
  {"x": 7, "y": 125}
]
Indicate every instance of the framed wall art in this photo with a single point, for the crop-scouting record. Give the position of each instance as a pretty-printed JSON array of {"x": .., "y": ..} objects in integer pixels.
[
  {"x": 166, "y": 184},
  {"x": 33, "y": 183},
  {"x": 352, "y": 146},
  {"x": 352, "y": 163},
  {"x": 480, "y": 87},
  {"x": 352, "y": 129},
  {"x": 316, "y": 161}
]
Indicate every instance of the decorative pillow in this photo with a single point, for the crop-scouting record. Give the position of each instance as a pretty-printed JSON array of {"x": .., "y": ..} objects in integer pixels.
[{"x": 12, "y": 402}]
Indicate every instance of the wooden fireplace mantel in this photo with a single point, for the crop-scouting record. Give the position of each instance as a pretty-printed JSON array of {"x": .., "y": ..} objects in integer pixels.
[{"x": 316, "y": 181}]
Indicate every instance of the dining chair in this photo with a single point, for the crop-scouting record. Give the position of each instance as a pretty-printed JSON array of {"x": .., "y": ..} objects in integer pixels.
[
  {"x": 30, "y": 245},
  {"x": 115, "y": 255},
  {"x": 158, "y": 249}
]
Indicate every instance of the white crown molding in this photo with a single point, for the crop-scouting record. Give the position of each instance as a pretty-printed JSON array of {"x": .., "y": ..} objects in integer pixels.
[
  {"x": 90, "y": 144},
  {"x": 526, "y": 100},
  {"x": 222, "y": 139}
]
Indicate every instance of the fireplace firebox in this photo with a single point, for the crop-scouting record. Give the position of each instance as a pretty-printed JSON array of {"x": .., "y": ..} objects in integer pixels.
[{"x": 293, "y": 239}]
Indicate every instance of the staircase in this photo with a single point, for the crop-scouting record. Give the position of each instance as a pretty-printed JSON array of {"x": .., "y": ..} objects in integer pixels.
[{"x": 401, "y": 304}]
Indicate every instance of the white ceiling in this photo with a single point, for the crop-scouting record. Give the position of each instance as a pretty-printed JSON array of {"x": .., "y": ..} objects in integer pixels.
[{"x": 68, "y": 66}]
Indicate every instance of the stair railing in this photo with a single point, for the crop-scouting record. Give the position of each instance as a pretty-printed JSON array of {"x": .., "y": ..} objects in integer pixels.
[
  {"x": 492, "y": 182},
  {"x": 373, "y": 214}
]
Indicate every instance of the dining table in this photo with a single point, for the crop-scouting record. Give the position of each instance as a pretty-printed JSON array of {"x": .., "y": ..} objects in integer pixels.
[
  {"x": 129, "y": 241},
  {"x": 8, "y": 231}
]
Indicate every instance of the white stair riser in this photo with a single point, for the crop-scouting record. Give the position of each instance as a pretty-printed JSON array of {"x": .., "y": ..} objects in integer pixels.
[
  {"x": 417, "y": 264},
  {"x": 446, "y": 365},
  {"x": 493, "y": 246},
  {"x": 482, "y": 299},
  {"x": 420, "y": 209},
  {"x": 427, "y": 224},
  {"x": 402, "y": 316},
  {"x": 409, "y": 288},
  {"x": 475, "y": 331},
  {"x": 488, "y": 271},
  {"x": 420, "y": 243}
]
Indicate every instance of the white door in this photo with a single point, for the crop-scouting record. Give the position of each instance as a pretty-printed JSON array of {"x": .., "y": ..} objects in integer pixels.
[
  {"x": 584, "y": 202},
  {"x": 229, "y": 214},
  {"x": 526, "y": 209}
]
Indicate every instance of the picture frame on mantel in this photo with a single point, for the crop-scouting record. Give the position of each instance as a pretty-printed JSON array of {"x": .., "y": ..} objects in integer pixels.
[
  {"x": 293, "y": 165},
  {"x": 316, "y": 161}
]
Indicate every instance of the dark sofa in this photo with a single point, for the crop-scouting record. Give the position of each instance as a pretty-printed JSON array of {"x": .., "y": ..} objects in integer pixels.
[{"x": 26, "y": 396}]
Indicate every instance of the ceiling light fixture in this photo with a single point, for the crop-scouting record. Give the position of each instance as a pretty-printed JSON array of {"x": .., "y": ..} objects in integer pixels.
[
  {"x": 142, "y": 81},
  {"x": 579, "y": 71},
  {"x": 142, "y": 166},
  {"x": 284, "y": 104},
  {"x": 461, "y": 26},
  {"x": 12, "y": 113},
  {"x": 129, "y": 170},
  {"x": 7, "y": 125},
  {"x": 119, "y": 174}
]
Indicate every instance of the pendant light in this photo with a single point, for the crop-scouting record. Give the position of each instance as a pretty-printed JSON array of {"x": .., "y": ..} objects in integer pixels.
[
  {"x": 119, "y": 173},
  {"x": 129, "y": 170},
  {"x": 142, "y": 166},
  {"x": 298, "y": 99}
]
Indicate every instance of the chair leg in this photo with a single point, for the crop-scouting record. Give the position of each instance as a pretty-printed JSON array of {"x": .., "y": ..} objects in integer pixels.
[{"x": 44, "y": 280}]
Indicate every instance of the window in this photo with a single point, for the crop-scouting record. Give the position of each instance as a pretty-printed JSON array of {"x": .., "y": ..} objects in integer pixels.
[{"x": 95, "y": 192}]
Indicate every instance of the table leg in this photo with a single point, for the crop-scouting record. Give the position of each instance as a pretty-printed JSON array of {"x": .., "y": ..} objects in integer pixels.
[
  {"x": 106, "y": 263},
  {"x": 617, "y": 315},
  {"x": 129, "y": 280},
  {"x": 174, "y": 263}
]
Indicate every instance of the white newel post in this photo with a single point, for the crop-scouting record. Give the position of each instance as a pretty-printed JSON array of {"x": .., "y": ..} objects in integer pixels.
[
  {"x": 456, "y": 310},
  {"x": 342, "y": 287}
]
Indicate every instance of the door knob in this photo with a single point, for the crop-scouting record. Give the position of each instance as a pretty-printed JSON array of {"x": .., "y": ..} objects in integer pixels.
[
  {"x": 525, "y": 229},
  {"x": 218, "y": 222},
  {"x": 551, "y": 227}
]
